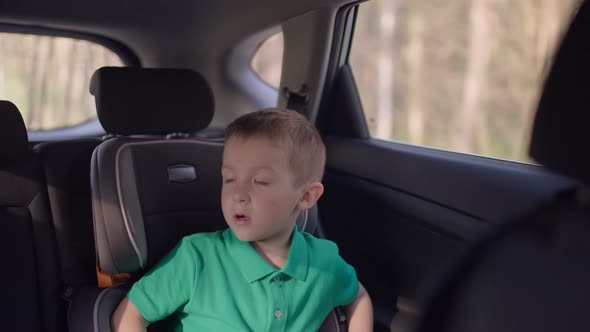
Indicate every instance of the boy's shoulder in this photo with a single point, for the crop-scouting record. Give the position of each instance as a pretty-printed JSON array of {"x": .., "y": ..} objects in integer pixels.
[
  {"x": 203, "y": 239},
  {"x": 205, "y": 235},
  {"x": 322, "y": 249},
  {"x": 331, "y": 267}
]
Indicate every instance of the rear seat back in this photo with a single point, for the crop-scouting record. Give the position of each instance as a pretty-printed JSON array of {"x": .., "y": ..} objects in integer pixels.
[
  {"x": 66, "y": 166},
  {"x": 30, "y": 277}
]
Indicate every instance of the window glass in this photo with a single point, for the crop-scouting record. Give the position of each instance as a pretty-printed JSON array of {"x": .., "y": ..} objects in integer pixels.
[
  {"x": 47, "y": 78},
  {"x": 461, "y": 75},
  {"x": 268, "y": 60}
]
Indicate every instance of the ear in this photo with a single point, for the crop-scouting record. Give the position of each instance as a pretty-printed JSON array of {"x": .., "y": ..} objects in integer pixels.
[{"x": 313, "y": 191}]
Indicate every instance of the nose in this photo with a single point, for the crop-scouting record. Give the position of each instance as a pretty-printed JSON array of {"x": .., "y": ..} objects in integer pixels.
[{"x": 240, "y": 194}]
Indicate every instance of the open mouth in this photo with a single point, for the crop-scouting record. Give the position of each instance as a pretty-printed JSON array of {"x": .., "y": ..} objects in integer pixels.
[{"x": 241, "y": 218}]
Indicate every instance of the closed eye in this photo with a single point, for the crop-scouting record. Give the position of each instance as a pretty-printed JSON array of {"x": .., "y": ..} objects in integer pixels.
[
  {"x": 230, "y": 180},
  {"x": 261, "y": 182}
]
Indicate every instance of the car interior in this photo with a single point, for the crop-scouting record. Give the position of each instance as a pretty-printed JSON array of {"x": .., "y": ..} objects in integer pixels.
[
  {"x": 442, "y": 240},
  {"x": 529, "y": 272}
]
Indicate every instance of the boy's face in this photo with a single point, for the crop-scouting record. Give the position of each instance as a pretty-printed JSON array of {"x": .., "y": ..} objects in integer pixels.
[{"x": 259, "y": 197}]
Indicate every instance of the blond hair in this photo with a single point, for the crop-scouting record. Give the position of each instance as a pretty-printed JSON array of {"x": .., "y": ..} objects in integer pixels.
[{"x": 306, "y": 150}]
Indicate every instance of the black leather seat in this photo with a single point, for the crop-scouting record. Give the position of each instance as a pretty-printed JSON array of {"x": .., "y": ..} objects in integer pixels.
[
  {"x": 532, "y": 273},
  {"x": 66, "y": 167},
  {"x": 30, "y": 291}
]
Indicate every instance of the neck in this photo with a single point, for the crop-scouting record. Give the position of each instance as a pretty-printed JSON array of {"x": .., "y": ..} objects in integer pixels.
[{"x": 276, "y": 251}]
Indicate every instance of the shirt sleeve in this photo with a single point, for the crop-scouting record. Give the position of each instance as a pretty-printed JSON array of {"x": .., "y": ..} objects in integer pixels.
[
  {"x": 346, "y": 282},
  {"x": 169, "y": 285}
]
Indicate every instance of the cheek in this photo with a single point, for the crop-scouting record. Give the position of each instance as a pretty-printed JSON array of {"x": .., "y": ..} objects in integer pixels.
[
  {"x": 225, "y": 195},
  {"x": 225, "y": 191},
  {"x": 267, "y": 201},
  {"x": 279, "y": 201}
]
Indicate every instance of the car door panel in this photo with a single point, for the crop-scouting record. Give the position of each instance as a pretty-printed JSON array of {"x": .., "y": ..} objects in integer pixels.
[{"x": 402, "y": 214}]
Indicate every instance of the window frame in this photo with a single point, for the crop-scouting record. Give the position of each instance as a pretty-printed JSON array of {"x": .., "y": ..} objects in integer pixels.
[
  {"x": 547, "y": 66},
  {"x": 273, "y": 34},
  {"x": 91, "y": 127}
]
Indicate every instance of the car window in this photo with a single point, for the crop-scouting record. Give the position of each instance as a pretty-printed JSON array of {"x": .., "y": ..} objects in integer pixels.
[
  {"x": 458, "y": 75},
  {"x": 48, "y": 78},
  {"x": 267, "y": 62}
]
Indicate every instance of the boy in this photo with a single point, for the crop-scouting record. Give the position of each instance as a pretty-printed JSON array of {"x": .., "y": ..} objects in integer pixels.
[{"x": 261, "y": 274}]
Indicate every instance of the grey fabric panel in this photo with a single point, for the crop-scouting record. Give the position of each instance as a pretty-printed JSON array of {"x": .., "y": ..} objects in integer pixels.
[
  {"x": 92, "y": 308},
  {"x": 114, "y": 249},
  {"x": 106, "y": 303},
  {"x": 126, "y": 182},
  {"x": 151, "y": 100},
  {"x": 66, "y": 165}
]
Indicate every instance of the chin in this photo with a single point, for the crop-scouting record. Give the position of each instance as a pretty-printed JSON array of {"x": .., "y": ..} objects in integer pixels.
[{"x": 244, "y": 236}]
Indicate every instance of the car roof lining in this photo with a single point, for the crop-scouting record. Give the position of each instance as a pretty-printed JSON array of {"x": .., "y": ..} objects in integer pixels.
[
  {"x": 201, "y": 35},
  {"x": 167, "y": 27}
]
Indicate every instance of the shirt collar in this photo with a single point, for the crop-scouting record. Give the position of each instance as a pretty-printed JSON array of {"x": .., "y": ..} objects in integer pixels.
[
  {"x": 254, "y": 267},
  {"x": 297, "y": 261}
]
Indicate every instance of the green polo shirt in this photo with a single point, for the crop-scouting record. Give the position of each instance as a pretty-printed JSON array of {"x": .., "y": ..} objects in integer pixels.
[{"x": 215, "y": 282}]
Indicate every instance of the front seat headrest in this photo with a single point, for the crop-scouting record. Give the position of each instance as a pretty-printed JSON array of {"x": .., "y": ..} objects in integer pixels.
[
  {"x": 13, "y": 133},
  {"x": 561, "y": 132},
  {"x": 152, "y": 101}
]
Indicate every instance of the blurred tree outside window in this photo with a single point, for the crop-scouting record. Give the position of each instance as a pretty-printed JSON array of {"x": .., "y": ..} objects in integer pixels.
[
  {"x": 47, "y": 78},
  {"x": 460, "y": 75},
  {"x": 267, "y": 62}
]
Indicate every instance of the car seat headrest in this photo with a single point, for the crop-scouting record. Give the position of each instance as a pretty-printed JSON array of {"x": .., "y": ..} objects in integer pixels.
[
  {"x": 561, "y": 132},
  {"x": 13, "y": 133},
  {"x": 151, "y": 101}
]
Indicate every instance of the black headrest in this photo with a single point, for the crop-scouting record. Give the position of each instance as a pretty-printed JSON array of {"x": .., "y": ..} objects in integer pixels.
[
  {"x": 13, "y": 133},
  {"x": 151, "y": 100},
  {"x": 561, "y": 132}
]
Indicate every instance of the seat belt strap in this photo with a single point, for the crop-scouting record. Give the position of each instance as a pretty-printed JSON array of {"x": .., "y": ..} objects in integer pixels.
[{"x": 297, "y": 100}]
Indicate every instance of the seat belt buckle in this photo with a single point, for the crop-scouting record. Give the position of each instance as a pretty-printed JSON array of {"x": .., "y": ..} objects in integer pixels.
[
  {"x": 342, "y": 327},
  {"x": 68, "y": 294},
  {"x": 297, "y": 100}
]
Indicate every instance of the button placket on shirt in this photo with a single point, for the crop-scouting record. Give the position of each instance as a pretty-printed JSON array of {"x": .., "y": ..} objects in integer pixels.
[{"x": 278, "y": 297}]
